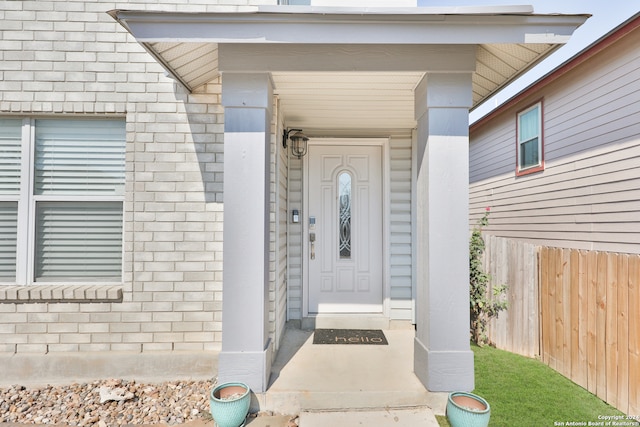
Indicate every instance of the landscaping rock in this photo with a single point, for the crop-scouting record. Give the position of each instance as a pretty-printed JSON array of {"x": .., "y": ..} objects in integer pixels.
[
  {"x": 107, "y": 403},
  {"x": 117, "y": 394}
]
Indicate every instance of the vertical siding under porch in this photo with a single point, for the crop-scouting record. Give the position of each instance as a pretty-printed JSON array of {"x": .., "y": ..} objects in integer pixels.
[
  {"x": 401, "y": 298},
  {"x": 281, "y": 221}
]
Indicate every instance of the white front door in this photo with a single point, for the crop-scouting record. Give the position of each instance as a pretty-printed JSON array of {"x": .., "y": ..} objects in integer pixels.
[{"x": 344, "y": 241}]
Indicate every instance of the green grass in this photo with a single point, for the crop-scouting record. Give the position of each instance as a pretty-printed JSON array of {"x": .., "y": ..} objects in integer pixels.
[{"x": 526, "y": 392}]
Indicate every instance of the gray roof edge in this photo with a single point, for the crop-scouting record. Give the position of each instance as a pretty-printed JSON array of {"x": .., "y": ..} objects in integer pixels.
[
  {"x": 431, "y": 10},
  {"x": 312, "y": 14}
]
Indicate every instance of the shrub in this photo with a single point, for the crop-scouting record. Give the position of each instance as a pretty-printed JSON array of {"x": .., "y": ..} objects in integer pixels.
[{"x": 484, "y": 305}]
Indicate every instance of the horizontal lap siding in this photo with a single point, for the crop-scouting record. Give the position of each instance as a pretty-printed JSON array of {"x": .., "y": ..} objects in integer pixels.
[
  {"x": 400, "y": 250},
  {"x": 294, "y": 238},
  {"x": 588, "y": 196},
  {"x": 281, "y": 241},
  {"x": 491, "y": 152}
]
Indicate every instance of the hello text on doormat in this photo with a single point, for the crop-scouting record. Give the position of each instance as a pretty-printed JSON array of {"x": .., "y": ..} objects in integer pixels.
[{"x": 349, "y": 336}]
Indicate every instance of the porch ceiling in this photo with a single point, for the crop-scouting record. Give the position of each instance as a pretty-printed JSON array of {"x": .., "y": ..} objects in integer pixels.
[
  {"x": 352, "y": 99},
  {"x": 507, "y": 43}
]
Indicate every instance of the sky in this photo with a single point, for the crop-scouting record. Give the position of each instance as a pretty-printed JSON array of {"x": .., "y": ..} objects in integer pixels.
[{"x": 607, "y": 14}]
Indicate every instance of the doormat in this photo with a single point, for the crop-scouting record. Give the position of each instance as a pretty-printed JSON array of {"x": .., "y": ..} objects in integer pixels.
[{"x": 349, "y": 336}]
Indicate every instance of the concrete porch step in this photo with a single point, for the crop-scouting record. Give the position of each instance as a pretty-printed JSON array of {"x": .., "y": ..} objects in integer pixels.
[
  {"x": 296, "y": 402},
  {"x": 309, "y": 377},
  {"x": 371, "y": 418}
]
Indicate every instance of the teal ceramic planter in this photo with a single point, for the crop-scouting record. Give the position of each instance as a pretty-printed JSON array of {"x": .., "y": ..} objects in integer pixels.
[
  {"x": 229, "y": 403},
  {"x": 467, "y": 410}
]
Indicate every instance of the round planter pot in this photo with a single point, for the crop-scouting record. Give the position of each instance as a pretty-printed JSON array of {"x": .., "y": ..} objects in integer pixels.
[
  {"x": 467, "y": 410},
  {"x": 229, "y": 403}
]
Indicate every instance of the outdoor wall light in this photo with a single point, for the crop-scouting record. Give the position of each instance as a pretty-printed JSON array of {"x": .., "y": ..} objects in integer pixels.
[{"x": 298, "y": 142}]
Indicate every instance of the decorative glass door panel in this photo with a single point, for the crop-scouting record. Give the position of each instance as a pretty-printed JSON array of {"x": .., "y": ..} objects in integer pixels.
[{"x": 344, "y": 215}]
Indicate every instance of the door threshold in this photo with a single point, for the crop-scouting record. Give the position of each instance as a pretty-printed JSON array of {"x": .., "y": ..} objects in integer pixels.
[{"x": 345, "y": 321}]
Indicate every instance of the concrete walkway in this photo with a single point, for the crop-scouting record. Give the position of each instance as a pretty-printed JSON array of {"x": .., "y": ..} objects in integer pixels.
[
  {"x": 422, "y": 417},
  {"x": 350, "y": 385}
]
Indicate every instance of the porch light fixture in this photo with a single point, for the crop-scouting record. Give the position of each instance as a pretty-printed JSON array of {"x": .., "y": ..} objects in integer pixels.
[{"x": 298, "y": 142}]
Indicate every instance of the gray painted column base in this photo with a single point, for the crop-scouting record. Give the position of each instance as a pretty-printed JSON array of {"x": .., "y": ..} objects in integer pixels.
[
  {"x": 443, "y": 370},
  {"x": 250, "y": 367}
]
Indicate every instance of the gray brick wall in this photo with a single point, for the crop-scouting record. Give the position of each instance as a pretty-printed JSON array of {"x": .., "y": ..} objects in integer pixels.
[{"x": 68, "y": 57}]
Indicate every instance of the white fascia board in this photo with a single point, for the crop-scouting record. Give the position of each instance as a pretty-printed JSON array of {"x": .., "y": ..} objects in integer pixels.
[
  {"x": 346, "y": 58},
  {"x": 437, "y": 10},
  {"x": 344, "y": 28},
  {"x": 549, "y": 38}
]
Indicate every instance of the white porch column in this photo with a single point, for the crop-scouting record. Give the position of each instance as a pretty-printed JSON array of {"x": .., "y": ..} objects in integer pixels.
[
  {"x": 246, "y": 347},
  {"x": 443, "y": 360}
]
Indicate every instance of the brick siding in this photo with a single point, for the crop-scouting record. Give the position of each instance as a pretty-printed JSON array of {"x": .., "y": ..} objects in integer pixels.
[{"x": 69, "y": 58}]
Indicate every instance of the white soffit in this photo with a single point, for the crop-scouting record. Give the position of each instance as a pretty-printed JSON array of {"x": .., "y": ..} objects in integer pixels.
[
  {"x": 509, "y": 39},
  {"x": 195, "y": 64},
  {"x": 499, "y": 64},
  {"x": 339, "y": 101}
]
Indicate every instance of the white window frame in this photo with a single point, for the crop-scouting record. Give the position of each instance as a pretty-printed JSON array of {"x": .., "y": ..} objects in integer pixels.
[
  {"x": 520, "y": 169},
  {"x": 27, "y": 204}
]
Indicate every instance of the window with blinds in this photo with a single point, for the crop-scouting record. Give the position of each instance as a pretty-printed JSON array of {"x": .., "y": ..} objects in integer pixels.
[
  {"x": 70, "y": 214},
  {"x": 78, "y": 241},
  {"x": 529, "y": 140},
  {"x": 8, "y": 240},
  {"x": 79, "y": 157},
  {"x": 10, "y": 186},
  {"x": 10, "y": 156}
]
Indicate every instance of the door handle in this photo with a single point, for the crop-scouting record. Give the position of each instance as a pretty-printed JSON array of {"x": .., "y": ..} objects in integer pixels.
[{"x": 312, "y": 242}]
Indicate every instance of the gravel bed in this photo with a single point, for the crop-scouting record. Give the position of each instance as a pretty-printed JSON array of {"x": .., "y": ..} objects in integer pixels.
[{"x": 79, "y": 404}]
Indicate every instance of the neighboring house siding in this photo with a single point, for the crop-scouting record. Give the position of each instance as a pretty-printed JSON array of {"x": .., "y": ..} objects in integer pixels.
[
  {"x": 69, "y": 58},
  {"x": 587, "y": 196}
]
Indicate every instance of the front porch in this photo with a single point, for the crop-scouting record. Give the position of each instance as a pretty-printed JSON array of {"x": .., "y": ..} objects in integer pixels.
[
  {"x": 309, "y": 377},
  {"x": 347, "y": 73}
]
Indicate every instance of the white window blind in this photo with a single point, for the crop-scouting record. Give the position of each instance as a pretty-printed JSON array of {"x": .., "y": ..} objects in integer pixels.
[
  {"x": 10, "y": 158},
  {"x": 8, "y": 240},
  {"x": 79, "y": 157},
  {"x": 10, "y": 180},
  {"x": 78, "y": 241}
]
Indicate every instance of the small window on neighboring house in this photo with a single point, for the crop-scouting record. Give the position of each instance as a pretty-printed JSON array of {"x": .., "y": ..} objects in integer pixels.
[
  {"x": 61, "y": 200},
  {"x": 530, "y": 140}
]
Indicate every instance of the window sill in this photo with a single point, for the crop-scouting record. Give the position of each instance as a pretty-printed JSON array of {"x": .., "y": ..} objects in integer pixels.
[
  {"x": 530, "y": 170},
  {"x": 60, "y": 293}
]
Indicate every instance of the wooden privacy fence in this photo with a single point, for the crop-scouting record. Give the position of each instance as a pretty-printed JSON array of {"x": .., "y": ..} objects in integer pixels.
[
  {"x": 515, "y": 263},
  {"x": 590, "y": 322}
]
